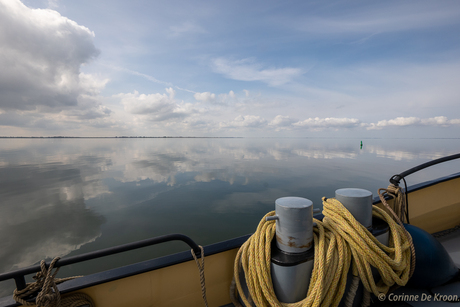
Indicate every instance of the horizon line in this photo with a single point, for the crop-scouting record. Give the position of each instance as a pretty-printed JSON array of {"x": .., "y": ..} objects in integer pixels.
[{"x": 212, "y": 137}]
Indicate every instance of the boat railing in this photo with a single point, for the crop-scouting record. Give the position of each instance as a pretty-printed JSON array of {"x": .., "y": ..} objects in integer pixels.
[
  {"x": 19, "y": 275},
  {"x": 397, "y": 178}
]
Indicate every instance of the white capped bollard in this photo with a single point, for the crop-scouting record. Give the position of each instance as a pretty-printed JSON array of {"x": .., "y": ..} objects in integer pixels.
[
  {"x": 292, "y": 254},
  {"x": 294, "y": 224},
  {"x": 358, "y": 202}
]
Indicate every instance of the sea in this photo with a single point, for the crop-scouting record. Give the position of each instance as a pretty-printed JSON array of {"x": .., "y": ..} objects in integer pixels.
[{"x": 69, "y": 196}]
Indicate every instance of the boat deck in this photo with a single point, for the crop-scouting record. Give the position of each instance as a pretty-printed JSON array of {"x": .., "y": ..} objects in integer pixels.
[{"x": 451, "y": 243}]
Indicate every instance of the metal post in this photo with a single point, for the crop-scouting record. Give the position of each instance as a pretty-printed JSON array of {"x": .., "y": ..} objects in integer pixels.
[
  {"x": 292, "y": 253},
  {"x": 359, "y": 203},
  {"x": 20, "y": 282}
]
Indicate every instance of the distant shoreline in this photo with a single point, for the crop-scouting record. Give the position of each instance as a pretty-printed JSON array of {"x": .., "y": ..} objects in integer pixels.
[
  {"x": 121, "y": 137},
  {"x": 218, "y": 137}
]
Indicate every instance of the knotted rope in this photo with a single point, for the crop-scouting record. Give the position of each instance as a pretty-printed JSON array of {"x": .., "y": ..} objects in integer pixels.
[
  {"x": 339, "y": 241},
  {"x": 49, "y": 295},
  {"x": 201, "y": 269},
  {"x": 399, "y": 204}
]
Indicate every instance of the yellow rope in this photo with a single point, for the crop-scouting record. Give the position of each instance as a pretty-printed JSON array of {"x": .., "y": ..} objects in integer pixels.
[
  {"x": 339, "y": 241},
  {"x": 398, "y": 195}
]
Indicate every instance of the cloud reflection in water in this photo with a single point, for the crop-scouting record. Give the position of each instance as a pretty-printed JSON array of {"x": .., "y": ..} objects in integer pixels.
[{"x": 72, "y": 196}]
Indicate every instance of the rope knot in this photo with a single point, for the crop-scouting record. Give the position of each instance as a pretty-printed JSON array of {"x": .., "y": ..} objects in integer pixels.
[
  {"x": 46, "y": 300},
  {"x": 392, "y": 189},
  {"x": 48, "y": 294}
]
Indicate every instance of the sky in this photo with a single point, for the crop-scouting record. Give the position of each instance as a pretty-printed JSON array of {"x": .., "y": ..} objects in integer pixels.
[{"x": 230, "y": 68}]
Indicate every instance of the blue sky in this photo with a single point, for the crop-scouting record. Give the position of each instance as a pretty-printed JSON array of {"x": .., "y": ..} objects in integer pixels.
[{"x": 230, "y": 68}]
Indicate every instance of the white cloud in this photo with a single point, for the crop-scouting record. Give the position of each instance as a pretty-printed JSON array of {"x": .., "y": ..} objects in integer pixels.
[
  {"x": 136, "y": 103},
  {"x": 205, "y": 97},
  {"x": 40, "y": 79},
  {"x": 230, "y": 95},
  {"x": 41, "y": 56},
  {"x": 436, "y": 121},
  {"x": 247, "y": 121},
  {"x": 286, "y": 123},
  {"x": 282, "y": 122},
  {"x": 440, "y": 121},
  {"x": 225, "y": 99},
  {"x": 248, "y": 70},
  {"x": 156, "y": 107},
  {"x": 399, "y": 121},
  {"x": 329, "y": 122}
]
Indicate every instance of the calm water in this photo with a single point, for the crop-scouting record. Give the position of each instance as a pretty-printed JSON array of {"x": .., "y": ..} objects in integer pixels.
[{"x": 63, "y": 197}]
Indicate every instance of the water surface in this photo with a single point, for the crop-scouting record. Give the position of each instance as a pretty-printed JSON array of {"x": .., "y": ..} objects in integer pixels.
[{"x": 63, "y": 197}]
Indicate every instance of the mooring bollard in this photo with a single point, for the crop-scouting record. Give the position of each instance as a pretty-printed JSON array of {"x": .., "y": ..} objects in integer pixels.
[
  {"x": 292, "y": 252},
  {"x": 359, "y": 203}
]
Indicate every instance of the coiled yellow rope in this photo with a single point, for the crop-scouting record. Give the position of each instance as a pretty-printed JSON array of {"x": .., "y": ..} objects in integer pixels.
[{"x": 339, "y": 241}]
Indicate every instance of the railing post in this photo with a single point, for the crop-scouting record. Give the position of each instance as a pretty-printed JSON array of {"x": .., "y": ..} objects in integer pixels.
[{"x": 20, "y": 282}]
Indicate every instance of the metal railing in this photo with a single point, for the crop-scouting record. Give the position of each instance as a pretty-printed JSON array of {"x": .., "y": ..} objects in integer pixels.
[
  {"x": 19, "y": 275},
  {"x": 397, "y": 178}
]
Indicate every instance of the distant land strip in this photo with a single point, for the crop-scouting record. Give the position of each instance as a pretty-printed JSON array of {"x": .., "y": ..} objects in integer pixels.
[{"x": 120, "y": 137}]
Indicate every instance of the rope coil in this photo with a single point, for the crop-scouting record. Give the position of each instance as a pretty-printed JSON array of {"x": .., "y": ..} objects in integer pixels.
[{"x": 339, "y": 242}]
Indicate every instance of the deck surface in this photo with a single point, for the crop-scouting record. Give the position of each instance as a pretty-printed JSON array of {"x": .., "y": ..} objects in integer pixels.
[{"x": 451, "y": 243}]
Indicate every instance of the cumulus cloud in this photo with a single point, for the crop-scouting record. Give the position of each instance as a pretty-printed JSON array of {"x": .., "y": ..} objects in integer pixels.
[
  {"x": 440, "y": 121},
  {"x": 282, "y": 121},
  {"x": 156, "y": 107},
  {"x": 224, "y": 99},
  {"x": 205, "y": 97},
  {"x": 286, "y": 123},
  {"x": 249, "y": 70},
  {"x": 329, "y": 122},
  {"x": 40, "y": 58},
  {"x": 247, "y": 121},
  {"x": 136, "y": 103},
  {"x": 40, "y": 78}
]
